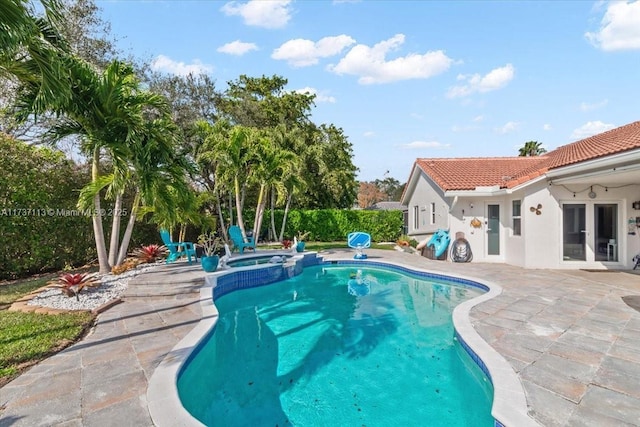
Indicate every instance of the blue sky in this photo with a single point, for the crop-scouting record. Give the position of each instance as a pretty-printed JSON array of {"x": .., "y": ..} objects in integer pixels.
[{"x": 410, "y": 79}]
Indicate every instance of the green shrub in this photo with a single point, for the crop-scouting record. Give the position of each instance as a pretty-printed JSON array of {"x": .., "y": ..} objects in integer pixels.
[{"x": 327, "y": 225}]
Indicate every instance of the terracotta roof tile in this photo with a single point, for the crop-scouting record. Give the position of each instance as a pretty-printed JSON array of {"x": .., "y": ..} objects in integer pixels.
[{"x": 508, "y": 172}]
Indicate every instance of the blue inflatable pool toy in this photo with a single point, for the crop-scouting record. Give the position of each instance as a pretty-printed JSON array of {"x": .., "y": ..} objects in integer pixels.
[{"x": 440, "y": 242}]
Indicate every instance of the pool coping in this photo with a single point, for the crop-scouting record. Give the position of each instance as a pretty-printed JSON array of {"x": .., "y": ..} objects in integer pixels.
[{"x": 509, "y": 406}]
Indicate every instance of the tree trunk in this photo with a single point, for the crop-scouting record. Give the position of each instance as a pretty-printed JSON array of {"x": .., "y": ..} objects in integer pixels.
[
  {"x": 115, "y": 231},
  {"x": 236, "y": 185},
  {"x": 124, "y": 246},
  {"x": 273, "y": 215},
  {"x": 98, "y": 231},
  {"x": 225, "y": 236},
  {"x": 284, "y": 217},
  {"x": 257, "y": 223}
]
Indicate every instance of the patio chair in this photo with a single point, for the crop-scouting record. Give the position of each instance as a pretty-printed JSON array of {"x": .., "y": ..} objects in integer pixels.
[
  {"x": 238, "y": 242},
  {"x": 359, "y": 241},
  {"x": 177, "y": 249}
]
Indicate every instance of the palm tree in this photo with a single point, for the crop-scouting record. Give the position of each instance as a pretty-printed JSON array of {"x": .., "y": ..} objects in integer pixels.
[
  {"x": 531, "y": 148},
  {"x": 32, "y": 50},
  {"x": 107, "y": 111},
  {"x": 272, "y": 163}
]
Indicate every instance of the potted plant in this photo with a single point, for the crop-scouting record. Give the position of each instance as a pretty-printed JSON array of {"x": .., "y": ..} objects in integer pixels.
[
  {"x": 300, "y": 239},
  {"x": 210, "y": 244}
]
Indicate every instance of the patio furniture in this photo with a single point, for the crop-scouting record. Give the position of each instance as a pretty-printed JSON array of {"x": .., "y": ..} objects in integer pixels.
[
  {"x": 359, "y": 241},
  {"x": 238, "y": 242},
  {"x": 177, "y": 249}
]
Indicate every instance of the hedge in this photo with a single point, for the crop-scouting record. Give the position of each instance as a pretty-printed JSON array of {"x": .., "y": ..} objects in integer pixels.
[{"x": 37, "y": 185}]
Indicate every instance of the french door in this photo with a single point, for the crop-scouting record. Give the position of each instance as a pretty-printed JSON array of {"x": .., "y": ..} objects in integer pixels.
[{"x": 590, "y": 232}]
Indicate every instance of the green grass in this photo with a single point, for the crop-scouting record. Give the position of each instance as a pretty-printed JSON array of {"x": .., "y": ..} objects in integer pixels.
[
  {"x": 29, "y": 337},
  {"x": 12, "y": 291}
]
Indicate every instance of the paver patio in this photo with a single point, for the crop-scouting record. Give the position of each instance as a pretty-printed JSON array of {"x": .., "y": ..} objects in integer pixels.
[{"x": 573, "y": 342}]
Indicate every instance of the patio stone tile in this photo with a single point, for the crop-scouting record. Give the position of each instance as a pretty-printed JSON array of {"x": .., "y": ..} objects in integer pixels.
[
  {"x": 634, "y": 323},
  {"x": 111, "y": 369},
  {"x": 583, "y": 341},
  {"x": 597, "y": 329},
  {"x": 619, "y": 375},
  {"x": 527, "y": 307},
  {"x": 581, "y": 355},
  {"x": 584, "y": 416},
  {"x": 570, "y": 389},
  {"x": 114, "y": 391},
  {"x": 489, "y": 333},
  {"x": 612, "y": 403},
  {"x": 504, "y": 323},
  {"x": 512, "y": 315},
  {"x": 522, "y": 354},
  {"x": 628, "y": 352},
  {"x": 549, "y": 408},
  {"x": 130, "y": 412}
]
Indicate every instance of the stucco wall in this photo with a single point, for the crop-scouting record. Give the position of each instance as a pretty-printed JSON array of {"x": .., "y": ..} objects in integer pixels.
[{"x": 423, "y": 195}]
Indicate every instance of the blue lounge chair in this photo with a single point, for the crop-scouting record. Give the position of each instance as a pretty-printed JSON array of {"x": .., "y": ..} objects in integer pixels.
[
  {"x": 177, "y": 249},
  {"x": 238, "y": 242},
  {"x": 359, "y": 241}
]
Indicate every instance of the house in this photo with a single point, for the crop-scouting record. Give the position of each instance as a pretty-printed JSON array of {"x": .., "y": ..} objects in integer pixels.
[{"x": 575, "y": 207}]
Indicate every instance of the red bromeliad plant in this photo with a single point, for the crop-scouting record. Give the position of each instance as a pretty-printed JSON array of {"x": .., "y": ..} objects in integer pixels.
[
  {"x": 72, "y": 283},
  {"x": 286, "y": 244},
  {"x": 150, "y": 253}
]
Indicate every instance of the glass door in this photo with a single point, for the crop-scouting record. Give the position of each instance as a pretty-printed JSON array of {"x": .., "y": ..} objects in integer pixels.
[
  {"x": 574, "y": 232},
  {"x": 606, "y": 232},
  {"x": 493, "y": 229}
]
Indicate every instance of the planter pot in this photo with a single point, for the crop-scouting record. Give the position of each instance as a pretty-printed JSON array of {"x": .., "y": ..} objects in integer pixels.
[
  {"x": 300, "y": 247},
  {"x": 210, "y": 263}
]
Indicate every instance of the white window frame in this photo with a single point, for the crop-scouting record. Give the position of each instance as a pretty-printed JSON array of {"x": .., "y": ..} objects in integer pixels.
[
  {"x": 433, "y": 213},
  {"x": 515, "y": 218},
  {"x": 416, "y": 217}
]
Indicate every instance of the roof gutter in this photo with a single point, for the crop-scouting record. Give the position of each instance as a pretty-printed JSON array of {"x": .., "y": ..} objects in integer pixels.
[{"x": 605, "y": 165}]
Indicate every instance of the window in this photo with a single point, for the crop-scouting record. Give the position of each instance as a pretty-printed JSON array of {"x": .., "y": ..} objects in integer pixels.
[
  {"x": 433, "y": 213},
  {"x": 515, "y": 216},
  {"x": 416, "y": 217}
]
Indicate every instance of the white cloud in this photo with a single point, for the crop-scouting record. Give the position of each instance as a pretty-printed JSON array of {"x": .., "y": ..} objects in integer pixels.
[
  {"x": 508, "y": 127},
  {"x": 495, "y": 79},
  {"x": 369, "y": 133},
  {"x": 165, "y": 64},
  {"x": 320, "y": 96},
  {"x": 619, "y": 28},
  {"x": 416, "y": 116},
  {"x": 478, "y": 119},
  {"x": 371, "y": 65},
  {"x": 589, "y": 107},
  {"x": 260, "y": 13},
  {"x": 302, "y": 52},
  {"x": 424, "y": 144},
  {"x": 546, "y": 126},
  {"x": 591, "y": 128},
  {"x": 237, "y": 48}
]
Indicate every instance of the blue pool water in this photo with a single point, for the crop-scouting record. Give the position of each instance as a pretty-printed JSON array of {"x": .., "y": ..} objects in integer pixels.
[{"x": 339, "y": 345}]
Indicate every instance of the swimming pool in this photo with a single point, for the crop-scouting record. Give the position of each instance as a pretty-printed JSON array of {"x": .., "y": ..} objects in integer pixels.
[{"x": 362, "y": 345}]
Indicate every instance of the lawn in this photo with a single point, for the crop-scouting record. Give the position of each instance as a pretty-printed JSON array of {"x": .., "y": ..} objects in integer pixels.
[{"x": 27, "y": 338}]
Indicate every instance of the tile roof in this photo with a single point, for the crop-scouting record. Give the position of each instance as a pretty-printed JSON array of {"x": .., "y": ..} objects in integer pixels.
[{"x": 508, "y": 172}]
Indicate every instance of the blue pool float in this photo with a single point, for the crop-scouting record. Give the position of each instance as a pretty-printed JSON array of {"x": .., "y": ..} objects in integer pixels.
[{"x": 440, "y": 242}]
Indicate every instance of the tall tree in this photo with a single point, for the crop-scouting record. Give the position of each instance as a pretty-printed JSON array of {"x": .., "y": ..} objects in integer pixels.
[
  {"x": 531, "y": 148},
  {"x": 107, "y": 112}
]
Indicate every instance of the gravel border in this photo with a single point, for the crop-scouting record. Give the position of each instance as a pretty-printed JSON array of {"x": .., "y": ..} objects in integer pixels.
[{"x": 112, "y": 287}]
